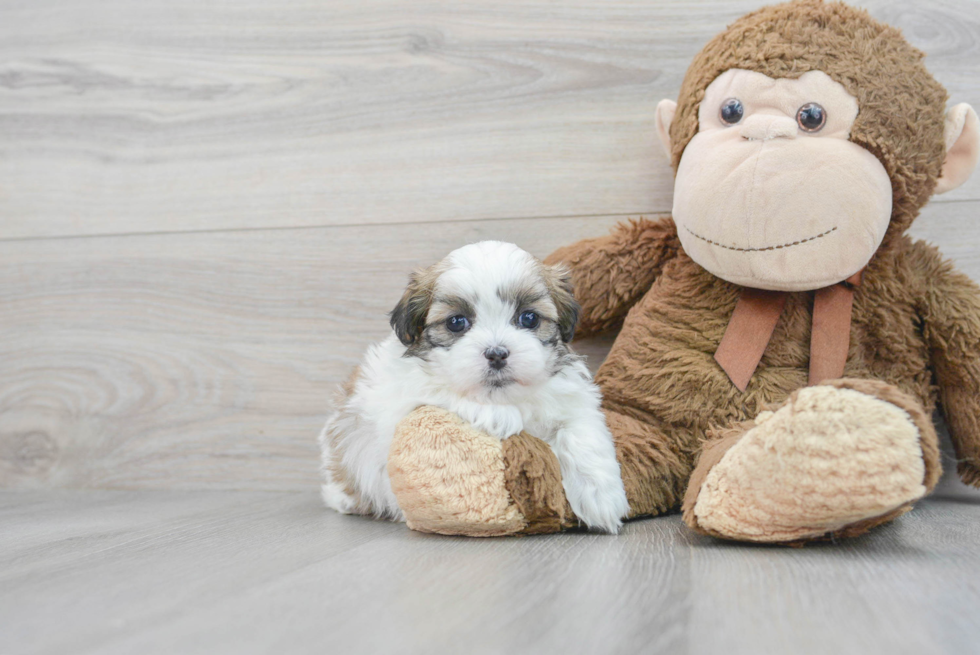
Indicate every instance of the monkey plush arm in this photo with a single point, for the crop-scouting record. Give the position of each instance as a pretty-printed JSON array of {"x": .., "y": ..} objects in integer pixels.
[
  {"x": 951, "y": 323},
  {"x": 611, "y": 273}
]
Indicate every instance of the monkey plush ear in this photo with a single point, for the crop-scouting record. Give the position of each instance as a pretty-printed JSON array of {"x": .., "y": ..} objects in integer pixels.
[
  {"x": 408, "y": 316},
  {"x": 665, "y": 116},
  {"x": 962, "y": 147},
  {"x": 559, "y": 282}
]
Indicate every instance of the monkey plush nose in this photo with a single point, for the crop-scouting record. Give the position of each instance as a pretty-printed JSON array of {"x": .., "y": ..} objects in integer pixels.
[
  {"x": 497, "y": 357},
  {"x": 762, "y": 127}
]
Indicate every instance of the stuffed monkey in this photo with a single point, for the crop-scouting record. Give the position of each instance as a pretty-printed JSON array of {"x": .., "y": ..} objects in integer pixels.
[{"x": 783, "y": 343}]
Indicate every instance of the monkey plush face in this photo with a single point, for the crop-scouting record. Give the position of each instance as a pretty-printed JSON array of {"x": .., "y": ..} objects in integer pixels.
[
  {"x": 770, "y": 192},
  {"x": 806, "y": 137}
]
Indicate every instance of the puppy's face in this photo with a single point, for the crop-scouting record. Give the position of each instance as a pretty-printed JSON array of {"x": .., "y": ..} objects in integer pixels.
[{"x": 490, "y": 320}]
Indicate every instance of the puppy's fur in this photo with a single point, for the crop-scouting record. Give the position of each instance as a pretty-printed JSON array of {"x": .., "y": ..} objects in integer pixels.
[{"x": 539, "y": 386}]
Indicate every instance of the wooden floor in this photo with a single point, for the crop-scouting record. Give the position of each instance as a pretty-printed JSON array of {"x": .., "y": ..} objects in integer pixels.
[
  {"x": 264, "y": 572},
  {"x": 207, "y": 209}
]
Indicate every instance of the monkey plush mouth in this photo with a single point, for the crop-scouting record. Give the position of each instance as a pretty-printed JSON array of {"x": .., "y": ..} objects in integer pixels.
[{"x": 784, "y": 245}]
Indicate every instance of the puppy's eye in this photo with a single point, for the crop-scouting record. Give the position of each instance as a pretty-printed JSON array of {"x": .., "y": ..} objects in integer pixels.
[
  {"x": 457, "y": 323},
  {"x": 811, "y": 117},
  {"x": 528, "y": 320},
  {"x": 732, "y": 111}
]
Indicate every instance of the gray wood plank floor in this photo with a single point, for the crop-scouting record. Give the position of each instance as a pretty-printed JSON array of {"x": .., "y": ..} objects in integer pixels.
[
  {"x": 207, "y": 209},
  {"x": 121, "y": 117},
  {"x": 189, "y": 361},
  {"x": 264, "y": 572}
]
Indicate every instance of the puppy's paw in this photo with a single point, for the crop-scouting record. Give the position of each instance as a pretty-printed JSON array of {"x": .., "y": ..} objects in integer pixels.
[
  {"x": 599, "y": 502},
  {"x": 336, "y": 497},
  {"x": 499, "y": 421}
]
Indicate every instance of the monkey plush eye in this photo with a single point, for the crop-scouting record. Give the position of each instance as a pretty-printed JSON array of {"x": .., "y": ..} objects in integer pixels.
[
  {"x": 731, "y": 111},
  {"x": 457, "y": 323},
  {"x": 811, "y": 117},
  {"x": 528, "y": 320}
]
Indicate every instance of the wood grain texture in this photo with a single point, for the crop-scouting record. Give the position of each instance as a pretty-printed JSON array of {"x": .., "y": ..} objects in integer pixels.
[
  {"x": 177, "y": 115},
  {"x": 207, "y": 209},
  {"x": 189, "y": 361},
  {"x": 201, "y": 360},
  {"x": 257, "y": 572}
]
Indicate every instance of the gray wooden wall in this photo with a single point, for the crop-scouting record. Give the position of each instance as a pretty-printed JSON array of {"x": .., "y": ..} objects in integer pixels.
[{"x": 206, "y": 209}]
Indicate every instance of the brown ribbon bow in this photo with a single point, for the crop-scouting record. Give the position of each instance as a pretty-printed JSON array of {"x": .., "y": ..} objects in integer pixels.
[{"x": 754, "y": 320}]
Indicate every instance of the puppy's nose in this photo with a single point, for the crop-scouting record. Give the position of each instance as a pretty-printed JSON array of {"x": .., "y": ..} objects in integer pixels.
[{"x": 497, "y": 357}]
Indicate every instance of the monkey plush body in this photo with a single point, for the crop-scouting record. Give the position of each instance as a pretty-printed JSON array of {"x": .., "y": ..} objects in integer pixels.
[
  {"x": 806, "y": 139},
  {"x": 665, "y": 395}
]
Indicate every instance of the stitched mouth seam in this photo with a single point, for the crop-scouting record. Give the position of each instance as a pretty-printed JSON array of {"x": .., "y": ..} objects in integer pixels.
[{"x": 785, "y": 245}]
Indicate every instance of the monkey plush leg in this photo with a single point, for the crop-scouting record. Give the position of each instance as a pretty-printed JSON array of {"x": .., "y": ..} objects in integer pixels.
[
  {"x": 654, "y": 471},
  {"x": 450, "y": 478},
  {"x": 833, "y": 461}
]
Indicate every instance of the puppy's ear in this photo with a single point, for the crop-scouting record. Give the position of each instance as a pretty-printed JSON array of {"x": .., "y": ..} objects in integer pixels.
[
  {"x": 558, "y": 279},
  {"x": 408, "y": 316}
]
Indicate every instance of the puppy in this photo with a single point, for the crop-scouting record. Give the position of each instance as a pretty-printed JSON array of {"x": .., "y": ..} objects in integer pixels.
[{"x": 484, "y": 334}]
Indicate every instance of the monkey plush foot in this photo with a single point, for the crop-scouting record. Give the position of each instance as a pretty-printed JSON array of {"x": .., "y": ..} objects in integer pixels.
[
  {"x": 834, "y": 460},
  {"x": 450, "y": 478}
]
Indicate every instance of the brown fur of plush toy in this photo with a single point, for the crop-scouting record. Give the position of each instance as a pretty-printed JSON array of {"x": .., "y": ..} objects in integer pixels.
[
  {"x": 915, "y": 324},
  {"x": 450, "y": 477},
  {"x": 664, "y": 393},
  {"x": 876, "y": 485}
]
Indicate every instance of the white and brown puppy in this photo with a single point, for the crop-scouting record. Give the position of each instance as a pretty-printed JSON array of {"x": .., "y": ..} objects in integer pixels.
[{"x": 483, "y": 333}]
